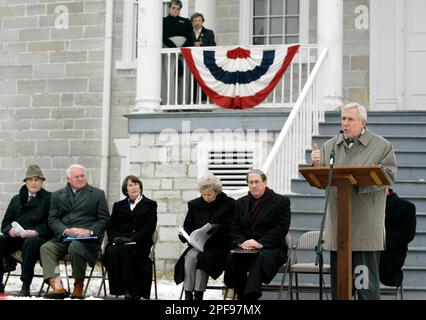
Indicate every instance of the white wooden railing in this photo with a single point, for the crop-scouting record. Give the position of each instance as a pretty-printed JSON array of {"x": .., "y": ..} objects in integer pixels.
[
  {"x": 295, "y": 138},
  {"x": 180, "y": 93}
]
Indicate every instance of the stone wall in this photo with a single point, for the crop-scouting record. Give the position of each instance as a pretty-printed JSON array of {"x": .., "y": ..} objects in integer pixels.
[
  {"x": 169, "y": 174},
  {"x": 51, "y": 83}
]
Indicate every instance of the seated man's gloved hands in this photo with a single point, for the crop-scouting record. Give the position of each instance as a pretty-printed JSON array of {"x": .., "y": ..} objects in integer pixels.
[
  {"x": 214, "y": 228},
  {"x": 182, "y": 238},
  {"x": 121, "y": 240}
]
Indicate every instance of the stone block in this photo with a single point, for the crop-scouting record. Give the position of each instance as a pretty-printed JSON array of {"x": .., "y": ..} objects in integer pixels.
[
  {"x": 166, "y": 219},
  {"x": 48, "y": 124},
  {"x": 95, "y": 55},
  {"x": 95, "y": 84},
  {"x": 67, "y": 85},
  {"x": 189, "y": 195},
  {"x": 37, "y": 34},
  {"x": 20, "y": 22},
  {"x": 49, "y": 71},
  {"x": 169, "y": 195},
  {"x": 88, "y": 99},
  {"x": 46, "y": 46},
  {"x": 96, "y": 6},
  {"x": 68, "y": 56},
  {"x": 43, "y": 162},
  {"x": 166, "y": 184},
  {"x": 94, "y": 31},
  {"x": 16, "y": 72},
  {"x": 73, "y": 7},
  {"x": 85, "y": 148},
  {"x": 67, "y": 99},
  {"x": 360, "y": 62},
  {"x": 66, "y": 134},
  {"x": 35, "y": 9},
  {"x": 31, "y": 135},
  {"x": 9, "y": 35},
  {"x": 355, "y": 79},
  {"x": 168, "y": 233},
  {"x": 167, "y": 250},
  {"x": 32, "y": 58},
  {"x": 170, "y": 170},
  {"x": 31, "y": 86},
  {"x": 88, "y": 124},
  {"x": 62, "y": 162},
  {"x": 146, "y": 170},
  {"x": 66, "y": 34},
  {"x": 12, "y": 163},
  {"x": 87, "y": 44},
  {"x": 84, "y": 69},
  {"x": 32, "y": 113},
  {"x": 52, "y": 148}
]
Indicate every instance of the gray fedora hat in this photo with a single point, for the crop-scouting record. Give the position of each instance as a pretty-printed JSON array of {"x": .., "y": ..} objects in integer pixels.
[{"x": 34, "y": 171}]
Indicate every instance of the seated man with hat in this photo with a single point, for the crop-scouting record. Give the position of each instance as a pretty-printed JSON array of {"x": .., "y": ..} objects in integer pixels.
[{"x": 28, "y": 212}]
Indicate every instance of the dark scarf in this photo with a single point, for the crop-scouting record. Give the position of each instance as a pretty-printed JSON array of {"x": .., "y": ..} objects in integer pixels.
[{"x": 256, "y": 205}]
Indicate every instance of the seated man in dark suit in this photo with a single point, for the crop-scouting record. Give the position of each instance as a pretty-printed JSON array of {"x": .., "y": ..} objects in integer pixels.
[
  {"x": 78, "y": 211},
  {"x": 258, "y": 230},
  {"x": 400, "y": 223}
]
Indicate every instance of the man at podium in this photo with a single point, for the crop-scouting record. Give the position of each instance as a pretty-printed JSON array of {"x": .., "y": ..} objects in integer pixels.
[{"x": 354, "y": 147}]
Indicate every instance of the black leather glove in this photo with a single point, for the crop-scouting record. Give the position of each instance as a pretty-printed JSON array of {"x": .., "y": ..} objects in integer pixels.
[
  {"x": 121, "y": 240},
  {"x": 214, "y": 228},
  {"x": 182, "y": 238}
]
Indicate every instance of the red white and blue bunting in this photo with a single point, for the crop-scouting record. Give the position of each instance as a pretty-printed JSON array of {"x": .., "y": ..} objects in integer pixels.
[{"x": 239, "y": 78}]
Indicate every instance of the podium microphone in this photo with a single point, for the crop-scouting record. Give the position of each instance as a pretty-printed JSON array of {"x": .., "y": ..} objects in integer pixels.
[
  {"x": 333, "y": 152},
  {"x": 319, "y": 248}
]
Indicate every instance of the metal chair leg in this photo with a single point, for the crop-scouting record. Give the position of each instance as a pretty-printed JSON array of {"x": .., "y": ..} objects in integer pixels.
[{"x": 155, "y": 277}]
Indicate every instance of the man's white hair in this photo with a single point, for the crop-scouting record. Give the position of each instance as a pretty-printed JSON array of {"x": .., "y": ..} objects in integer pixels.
[
  {"x": 73, "y": 166},
  {"x": 362, "y": 112}
]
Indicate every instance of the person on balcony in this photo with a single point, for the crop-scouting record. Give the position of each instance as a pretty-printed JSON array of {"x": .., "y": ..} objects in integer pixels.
[
  {"x": 176, "y": 34},
  {"x": 358, "y": 146},
  {"x": 258, "y": 231},
  {"x": 400, "y": 224},
  {"x": 30, "y": 209},
  {"x": 78, "y": 217},
  {"x": 195, "y": 267},
  {"x": 200, "y": 37},
  {"x": 130, "y": 238}
]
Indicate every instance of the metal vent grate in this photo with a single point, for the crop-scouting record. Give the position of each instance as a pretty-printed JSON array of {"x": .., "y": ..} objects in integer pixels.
[{"x": 231, "y": 167}]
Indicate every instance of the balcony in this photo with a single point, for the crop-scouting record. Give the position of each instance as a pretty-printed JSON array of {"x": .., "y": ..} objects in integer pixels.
[{"x": 182, "y": 93}]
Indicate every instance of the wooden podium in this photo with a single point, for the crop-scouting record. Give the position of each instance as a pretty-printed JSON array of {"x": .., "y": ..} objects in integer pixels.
[{"x": 344, "y": 178}]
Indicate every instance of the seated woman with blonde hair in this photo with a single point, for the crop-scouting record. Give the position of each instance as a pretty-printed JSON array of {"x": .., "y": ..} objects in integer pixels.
[{"x": 194, "y": 267}]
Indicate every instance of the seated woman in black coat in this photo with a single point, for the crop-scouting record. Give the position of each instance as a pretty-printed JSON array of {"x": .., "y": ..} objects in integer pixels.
[
  {"x": 194, "y": 267},
  {"x": 130, "y": 229}
]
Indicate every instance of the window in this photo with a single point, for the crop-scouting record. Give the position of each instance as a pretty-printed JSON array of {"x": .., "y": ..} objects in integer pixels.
[
  {"x": 274, "y": 21},
  {"x": 130, "y": 31}
]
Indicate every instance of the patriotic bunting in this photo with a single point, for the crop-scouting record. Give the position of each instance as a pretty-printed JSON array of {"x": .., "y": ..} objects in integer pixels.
[{"x": 239, "y": 78}]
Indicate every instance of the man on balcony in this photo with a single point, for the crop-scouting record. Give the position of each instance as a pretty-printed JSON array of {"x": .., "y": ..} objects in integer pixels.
[{"x": 176, "y": 34}]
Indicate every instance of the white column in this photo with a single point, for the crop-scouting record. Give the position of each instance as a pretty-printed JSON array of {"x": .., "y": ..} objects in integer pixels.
[
  {"x": 330, "y": 35},
  {"x": 208, "y": 9},
  {"x": 148, "y": 80}
]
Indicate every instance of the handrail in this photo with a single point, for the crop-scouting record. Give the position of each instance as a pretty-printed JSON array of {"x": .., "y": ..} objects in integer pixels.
[
  {"x": 295, "y": 145},
  {"x": 289, "y": 122}
]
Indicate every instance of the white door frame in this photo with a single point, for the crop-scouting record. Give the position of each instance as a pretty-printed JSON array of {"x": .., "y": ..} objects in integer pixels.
[{"x": 387, "y": 57}]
